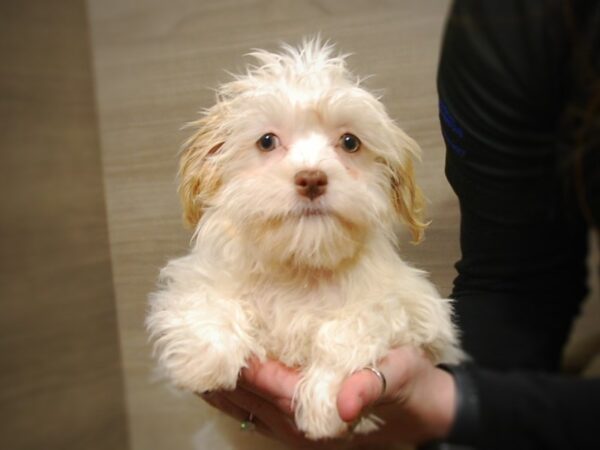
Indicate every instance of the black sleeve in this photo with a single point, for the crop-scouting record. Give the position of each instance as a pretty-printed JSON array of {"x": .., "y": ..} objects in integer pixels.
[
  {"x": 507, "y": 79},
  {"x": 504, "y": 85},
  {"x": 537, "y": 411}
]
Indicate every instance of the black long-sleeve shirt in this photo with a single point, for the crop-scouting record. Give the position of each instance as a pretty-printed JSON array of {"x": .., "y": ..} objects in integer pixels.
[{"x": 519, "y": 87}]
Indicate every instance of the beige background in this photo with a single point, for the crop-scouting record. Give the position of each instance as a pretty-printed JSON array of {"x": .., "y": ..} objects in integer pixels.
[
  {"x": 60, "y": 373},
  {"x": 69, "y": 266}
]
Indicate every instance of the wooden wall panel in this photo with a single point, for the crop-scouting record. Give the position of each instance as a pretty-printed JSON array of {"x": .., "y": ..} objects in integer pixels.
[
  {"x": 60, "y": 373},
  {"x": 156, "y": 63}
]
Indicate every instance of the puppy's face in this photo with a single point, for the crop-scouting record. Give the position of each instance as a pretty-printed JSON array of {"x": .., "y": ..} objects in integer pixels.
[{"x": 300, "y": 161}]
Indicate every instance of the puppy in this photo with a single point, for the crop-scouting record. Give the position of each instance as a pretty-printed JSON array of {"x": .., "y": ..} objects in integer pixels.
[{"x": 294, "y": 182}]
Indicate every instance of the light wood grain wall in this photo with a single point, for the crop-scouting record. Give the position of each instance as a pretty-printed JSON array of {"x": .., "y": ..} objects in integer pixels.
[
  {"x": 156, "y": 63},
  {"x": 60, "y": 374}
]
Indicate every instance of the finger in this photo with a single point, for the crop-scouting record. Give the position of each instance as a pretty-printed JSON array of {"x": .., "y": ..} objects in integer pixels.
[
  {"x": 265, "y": 411},
  {"x": 222, "y": 403},
  {"x": 363, "y": 389},
  {"x": 358, "y": 391},
  {"x": 272, "y": 381},
  {"x": 268, "y": 420}
]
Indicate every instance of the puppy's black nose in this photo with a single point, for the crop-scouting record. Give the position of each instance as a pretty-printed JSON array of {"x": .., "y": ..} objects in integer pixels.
[{"x": 311, "y": 183}]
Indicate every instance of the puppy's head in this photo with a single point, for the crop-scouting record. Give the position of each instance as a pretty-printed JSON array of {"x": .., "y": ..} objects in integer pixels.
[{"x": 300, "y": 161}]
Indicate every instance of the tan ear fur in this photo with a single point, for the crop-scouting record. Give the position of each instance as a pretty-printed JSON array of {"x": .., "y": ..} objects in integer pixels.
[
  {"x": 199, "y": 176},
  {"x": 408, "y": 198}
]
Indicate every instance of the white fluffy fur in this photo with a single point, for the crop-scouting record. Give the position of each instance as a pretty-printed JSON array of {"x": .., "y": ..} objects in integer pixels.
[{"x": 317, "y": 284}]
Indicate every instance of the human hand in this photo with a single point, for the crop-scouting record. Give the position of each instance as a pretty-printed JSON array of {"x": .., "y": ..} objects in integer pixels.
[
  {"x": 266, "y": 390},
  {"x": 418, "y": 404}
]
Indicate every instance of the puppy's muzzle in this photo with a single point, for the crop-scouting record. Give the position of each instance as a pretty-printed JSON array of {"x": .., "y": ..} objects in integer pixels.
[{"x": 311, "y": 183}]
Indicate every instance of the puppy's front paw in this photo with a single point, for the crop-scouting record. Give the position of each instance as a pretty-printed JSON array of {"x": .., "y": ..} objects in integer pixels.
[
  {"x": 316, "y": 405},
  {"x": 202, "y": 364}
]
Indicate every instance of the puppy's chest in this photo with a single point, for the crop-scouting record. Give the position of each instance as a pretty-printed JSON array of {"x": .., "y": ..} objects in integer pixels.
[{"x": 286, "y": 321}]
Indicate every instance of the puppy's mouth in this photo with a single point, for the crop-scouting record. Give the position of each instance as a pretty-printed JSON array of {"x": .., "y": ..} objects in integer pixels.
[{"x": 313, "y": 212}]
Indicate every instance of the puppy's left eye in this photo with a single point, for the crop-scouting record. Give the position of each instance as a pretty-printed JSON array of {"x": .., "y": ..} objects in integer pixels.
[
  {"x": 268, "y": 142},
  {"x": 349, "y": 142}
]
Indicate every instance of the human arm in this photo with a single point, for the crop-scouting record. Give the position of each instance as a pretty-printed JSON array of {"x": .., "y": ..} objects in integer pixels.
[
  {"x": 503, "y": 86},
  {"x": 419, "y": 406},
  {"x": 508, "y": 84}
]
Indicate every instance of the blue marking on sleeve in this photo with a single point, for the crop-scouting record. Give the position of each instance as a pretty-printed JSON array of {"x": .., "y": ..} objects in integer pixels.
[
  {"x": 453, "y": 145},
  {"x": 449, "y": 119}
]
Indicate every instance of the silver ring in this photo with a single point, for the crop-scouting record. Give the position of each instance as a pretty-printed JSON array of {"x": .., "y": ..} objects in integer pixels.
[
  {"x": 248, "y": 424},
  {"x": 381, "y": 376}
]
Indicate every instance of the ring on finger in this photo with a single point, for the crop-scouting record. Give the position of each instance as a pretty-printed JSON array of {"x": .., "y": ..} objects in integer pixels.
[
  {"x": 248, "y": 424},
  {"x": 381, "y": 377}
]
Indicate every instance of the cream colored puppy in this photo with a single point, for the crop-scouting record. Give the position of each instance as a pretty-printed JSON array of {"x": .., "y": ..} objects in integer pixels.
[{"x": 295, "y": 182}]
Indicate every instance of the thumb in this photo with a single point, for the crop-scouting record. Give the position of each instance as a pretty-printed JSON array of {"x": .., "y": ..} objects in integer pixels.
[
  {"x": 358, "y": 392},
  {"x": 363, "y": 389}
]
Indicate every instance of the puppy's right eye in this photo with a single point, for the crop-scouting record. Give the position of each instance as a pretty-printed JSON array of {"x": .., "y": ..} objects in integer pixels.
[{"x": 268, "y": 142}]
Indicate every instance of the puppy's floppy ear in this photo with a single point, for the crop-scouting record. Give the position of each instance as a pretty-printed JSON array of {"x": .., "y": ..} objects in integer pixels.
[
  {"x": 407, "y": 197},
  {"x": 199, "y": 176}
]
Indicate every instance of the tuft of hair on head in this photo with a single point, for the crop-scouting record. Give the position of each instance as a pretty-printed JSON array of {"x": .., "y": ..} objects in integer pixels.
[{"x": 313, "y": 62}]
